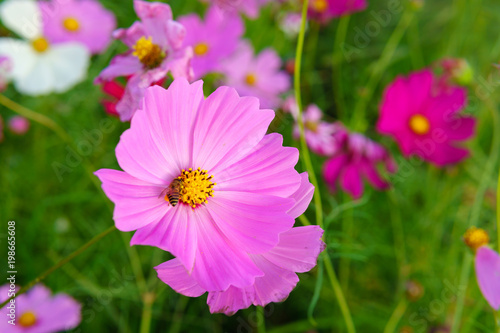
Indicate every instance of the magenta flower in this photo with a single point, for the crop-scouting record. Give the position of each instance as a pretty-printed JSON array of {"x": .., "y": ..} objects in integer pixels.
[
  {"x": 423, "y": 118},
  {"x": 297, "y": 251},
  {"x": 487, "y": 265},
  {"x": 325, "y": 10},
  {"x": 39, "y": 312},
  {"x": 357, "y": 157},
  {"x": 319, "y": 134},
  {"x": 203, "y": 181},
  {"x": 84, "y": 21},
  {"x": 260, "y": 76},
  {"x": 19, "y": 125},
  {"x": 155, "y": 50},
  {"x": 212, "y": 40},
  {"x": 248, "y": 7}
]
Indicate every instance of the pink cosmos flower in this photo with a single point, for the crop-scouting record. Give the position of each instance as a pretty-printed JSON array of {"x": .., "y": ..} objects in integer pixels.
[
  {"x": 212, "y": 40},
  {"x": 357, "y": 157},
  {"x": 155, "y": 50},
  {"x": 84, "y": 21},
  {"x": 203, "y": 181},
  {"x": 325, "y": 10},
  {"x": 487, "y": 265},
  {"x": 39, "y": 312},
  {"x": 422, "y": 116},
  {"x": 248, "y": 7},
  {"x": 19, "y": 125},
  {"x": 319, "y": 134},
  {"x": 260, "y": 76}
]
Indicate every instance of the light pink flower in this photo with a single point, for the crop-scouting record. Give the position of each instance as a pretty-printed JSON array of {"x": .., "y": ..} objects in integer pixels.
[
  {"x": 38, "y": 312},
  {"x": 423, "y": 117},
  {"x": 319, "y": 134},
  {"x": 487, "y": 264},
  {"x": 212, "y": 40},
  {"x": 248, "y": 7},
  {"x": 234, "y": 182},
  {"x": 356, "y": 158},
  {"x": 258, "y": 76},
  {"x": 325, "y": 10},
  {"x": 156, "y": 49},
  {"x": 19, "y": 125},
  {"x": 84, "y": 21}
]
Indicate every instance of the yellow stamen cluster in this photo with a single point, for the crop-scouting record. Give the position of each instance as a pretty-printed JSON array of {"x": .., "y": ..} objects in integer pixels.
[
  {"x": 319, "y": 5},
  {"x": 420, "y": 124},
  {"x": 150, "y": 54},
  {"x": 40, "y": 44},
  {"x": 196, "y": 187},
  {"x": 475, "y": 238},
  {"x": 251, "y": 79},
  {"x": 27, "y": 319},
  {"x": 71, "y": 24},
  {"x": 201, "y": 49}
]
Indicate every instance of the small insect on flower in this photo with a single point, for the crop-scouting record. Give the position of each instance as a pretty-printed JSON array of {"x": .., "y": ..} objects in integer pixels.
[{"x": 172, "y": 192}]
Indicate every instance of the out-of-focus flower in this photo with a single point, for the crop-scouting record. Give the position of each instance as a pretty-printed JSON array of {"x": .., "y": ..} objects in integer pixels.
[
  {"x": 38, "y": 312},
  {"x": 18, "y": 125},
  {"x": 250, "y": 8},
  {"x": 414, "y": 290},
  {"x": 356, "y": 158},
  {"x": 203, "y": 181},
  {"x": 84, "y": 21},
  {"x": 325, "y": 10},
  {"x": 156, "y": 49},
  {"x": 290, "y": 24},
  {"x": 455, "y": 71},
  {"x": 5, "y": 72},
  {"x": 259, "y": 76},
  {"x": 320, "y": 135},
  {"x": 423, "y": 118},
  {"x": 212, "y": 40},
  {"x": 38, "y": 66}
]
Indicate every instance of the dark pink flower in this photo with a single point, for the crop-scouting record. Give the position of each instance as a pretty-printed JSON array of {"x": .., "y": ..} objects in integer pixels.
[
  {"x": 423, "y": 117},
  {"x": 212, "y": 40},
  {"x": 487, "y": 264},
  {"x": 84, "y": 21},
  {"x": 155, "y": 50},
  {"x": 356, "y": 158},
  {"x": 18, "y": 125},
  {"x": 325, "y": 10}
]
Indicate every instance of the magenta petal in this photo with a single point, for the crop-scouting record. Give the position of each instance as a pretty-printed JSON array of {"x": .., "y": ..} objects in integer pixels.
[
  {"x": 487, "y": 264},
  {"x": 460, "y": 128},
  {"x": 332, "y": 169},
  {"x": 302, "y": 196},
  {"x": 373, "y": 176},
  {"x": 351, "y": 181},
  {"x": 445, "y": 154},
  {"x": 230, "y": 300},
  {"x": 176, "y": 276}
]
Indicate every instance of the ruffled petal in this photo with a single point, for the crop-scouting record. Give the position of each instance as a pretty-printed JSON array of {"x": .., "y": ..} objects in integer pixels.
[
  {"x": 302, "y": 196},
  {"x": 176, "y": 276}
]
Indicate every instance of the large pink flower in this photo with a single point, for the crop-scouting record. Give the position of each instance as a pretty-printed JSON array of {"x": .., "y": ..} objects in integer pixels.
[
  {"x": 155, "y": 49},
  {"x": 212, "y": 40},
  {"x": 248, "y": 7},
  {"x": 234, "y": 182},
  {"x": 422, "y": 116},
  {"x": 39, "y": 312},
  {"x": 487, "y": 264},
  {"x": 84, "y": 21},
  {"x": 325, "y": 10},
  {"x": 356, "y": 158},
  {"x": 259, "y": 76}
]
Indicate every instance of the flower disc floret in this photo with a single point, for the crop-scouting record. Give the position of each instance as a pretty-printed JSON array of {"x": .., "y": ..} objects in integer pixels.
[
  {"x": 196, "y": 187},
  {"x": 40, "y": 44},
  {"x": 71, "y": 24},
  {"x": 420, "y": 124},
  {"x": 474, "y": 238},
  {"x": 27, "y": 319},
  {"x": 150, "y": 54}
]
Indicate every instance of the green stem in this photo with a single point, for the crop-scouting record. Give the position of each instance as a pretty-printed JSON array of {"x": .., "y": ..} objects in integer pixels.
[
  {"x": 359, "y": 123},
  {"x": 337, "y": 65},
  {"x": 498, "y": 211},
  {"x": 261, "y": 319},
  {"x": 396, "y": 316},
  {"x": 147, "y": 312},
  {"x": 61, "y": 263}
]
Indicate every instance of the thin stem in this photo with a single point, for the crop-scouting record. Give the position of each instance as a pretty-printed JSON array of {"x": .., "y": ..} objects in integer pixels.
[
  {"x": 464, "y": 278},
  {"x": 147, "y": 312},
  {"x": 396, "y": 316},
  {"x": 337, "y": 64},
  {"x": 303, "y": 219},
  {"x": 61, "y": 263},
  {"x": 261, "y": 319},
  {"x": 498, "y": 211}
]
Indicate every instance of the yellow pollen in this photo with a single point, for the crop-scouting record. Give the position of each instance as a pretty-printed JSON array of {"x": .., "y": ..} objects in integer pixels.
[
  {"x": 251, "y": 79},
  {"x": 150, "y": 54},
  {"x": 201, "y": 49},
  {"x": 420, "y": 124},
  {"x": 311, "y": 125},
  {"x": 196, "y": 187},
  {"x": 475, "y": 238},
  {"x": 40, "y": 44},
  {"x": 27, "y": 319},
  {"x": 71, "y": 24},
  {"x": 319, "y": 5}
]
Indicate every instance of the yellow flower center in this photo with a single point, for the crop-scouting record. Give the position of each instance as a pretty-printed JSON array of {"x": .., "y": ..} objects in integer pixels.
[
  {"x": 319, "y": 5},
  {"x": 27, "y": 319},
  {"x": 150, "y": 54},
  {"x": 71, "y": 24},
  {"x": 201, "y": 49},
  {"x": 40, "y": 44},
  {"x": 419, "y": 124},
  {"x": 475, "y": 238},
  {"x": 195, "y": 187},
  {"x": 251, "y": 79},
  {"x": 311, "y": 125}
]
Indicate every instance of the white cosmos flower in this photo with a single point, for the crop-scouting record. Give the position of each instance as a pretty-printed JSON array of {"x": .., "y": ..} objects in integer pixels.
[{"x": 39, "y": 67}]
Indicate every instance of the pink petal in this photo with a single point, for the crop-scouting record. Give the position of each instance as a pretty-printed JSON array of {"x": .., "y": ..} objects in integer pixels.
[
  {"x": 395, "y": 108},
  {"x": 487, "y": 265},
  {"x": 460, "y": 128},
  {"x": 332, "y": 169},
  {"x": 372, "y": 174},
  {"x": 176, "y": 276},
  {"x": 154, "y": 17},
  {"x": 445, "y": 154},
  {"x": 302, "y": 196},
  {"x": 230, "y": 300},
  {"x": 121, "y": 65},
  {"x": 351, "y": 181},
  {"x": 420, "y": 85}
]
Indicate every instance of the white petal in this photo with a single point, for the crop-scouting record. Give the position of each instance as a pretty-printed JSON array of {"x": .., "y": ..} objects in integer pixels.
[
  {"x": 23, "y": 17},
  {"x": 69, "y": 63},
  {"x": 21, "y": 55},
  {"x": 39, "y": 81}
]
